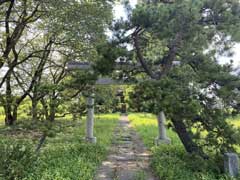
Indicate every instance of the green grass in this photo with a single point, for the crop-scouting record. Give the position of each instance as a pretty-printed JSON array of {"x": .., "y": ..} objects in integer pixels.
[
  {"x": 171, "y": 162},
  {"x": 146, "y": 126},
  {"x": 66, "y": 156}
]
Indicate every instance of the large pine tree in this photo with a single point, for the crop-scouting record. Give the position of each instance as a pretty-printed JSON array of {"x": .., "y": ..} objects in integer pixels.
[{"x": 199, "y": 94}]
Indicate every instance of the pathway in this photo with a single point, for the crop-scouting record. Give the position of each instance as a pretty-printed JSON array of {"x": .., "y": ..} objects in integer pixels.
[{"x": 128, "y": 158}]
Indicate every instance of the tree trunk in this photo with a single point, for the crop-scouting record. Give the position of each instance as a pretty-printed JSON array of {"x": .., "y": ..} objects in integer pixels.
[
  {"x": 9, "y": 118},
  {"x": 52, "y": 113},
  {"x": 34, "y": 109},
  {"x": 15, "y": 110},
  {"x": 52, "y": 108},
  {"x": 186, "y": 139},
  {"x": 74, "y": 116},
  {"x": 45, "y": 108}
]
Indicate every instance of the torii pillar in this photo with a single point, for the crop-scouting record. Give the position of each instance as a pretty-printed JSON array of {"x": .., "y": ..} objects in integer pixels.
[
  {"x": 162, "y": 134},
  {"x": 90, "y": 119}
]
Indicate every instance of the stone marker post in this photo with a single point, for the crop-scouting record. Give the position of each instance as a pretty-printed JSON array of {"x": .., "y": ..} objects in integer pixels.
[
  {"x": 90, "y": 119},
  {"x": 162, "y": 137},
  {"x": 231, "y": 166}
]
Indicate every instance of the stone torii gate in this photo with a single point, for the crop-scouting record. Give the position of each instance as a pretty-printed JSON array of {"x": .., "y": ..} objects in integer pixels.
[{"x": 162, "y": 135}]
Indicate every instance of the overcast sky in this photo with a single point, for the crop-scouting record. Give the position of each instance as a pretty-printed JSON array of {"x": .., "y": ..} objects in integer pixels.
[{"x": 119, "y": 12}]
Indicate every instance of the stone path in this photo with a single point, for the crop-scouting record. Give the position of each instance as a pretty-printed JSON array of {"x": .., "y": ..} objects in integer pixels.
[{"x": 128, "y": 159}]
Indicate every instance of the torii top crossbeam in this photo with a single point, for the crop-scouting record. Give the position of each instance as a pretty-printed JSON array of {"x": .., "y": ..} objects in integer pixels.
[
  {"x": 87, "y": 65},
  {"x": 76, "y": 65}
]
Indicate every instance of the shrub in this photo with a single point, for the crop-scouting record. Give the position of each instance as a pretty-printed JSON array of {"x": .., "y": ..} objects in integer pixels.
[
  {"x": 171, "y": 162},
  {"x": 17, "y": 159}
]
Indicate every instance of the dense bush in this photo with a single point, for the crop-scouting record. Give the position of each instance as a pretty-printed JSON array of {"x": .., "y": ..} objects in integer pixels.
[
  {"x": 171, "y": 162},
  {"x": 17, "y": 159}
]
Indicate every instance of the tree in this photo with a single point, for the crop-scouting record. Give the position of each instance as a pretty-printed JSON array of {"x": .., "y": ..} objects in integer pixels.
[
  {"x": 15, "y": 50},
  {"x": 189, "y": 32},
  {"x": 27, "y": 24}
]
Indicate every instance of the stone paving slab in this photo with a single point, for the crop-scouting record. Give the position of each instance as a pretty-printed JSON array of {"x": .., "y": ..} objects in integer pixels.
[{"x": 128, "y": 157}]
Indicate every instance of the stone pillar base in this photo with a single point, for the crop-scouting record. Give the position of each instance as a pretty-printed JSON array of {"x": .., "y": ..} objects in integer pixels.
[
  {"x": 91, "y": 140},
  {"x": 162, "y": 141}
]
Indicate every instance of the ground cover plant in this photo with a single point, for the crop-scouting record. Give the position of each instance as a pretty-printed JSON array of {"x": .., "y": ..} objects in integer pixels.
[
  {"x": 171, "y": 162},
  {"x": 65, "y": 155}
]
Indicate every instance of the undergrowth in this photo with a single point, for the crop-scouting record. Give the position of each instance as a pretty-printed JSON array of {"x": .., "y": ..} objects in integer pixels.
[
  {"x": 64, "y": 156},
  {"x": 171, "y": 162}
]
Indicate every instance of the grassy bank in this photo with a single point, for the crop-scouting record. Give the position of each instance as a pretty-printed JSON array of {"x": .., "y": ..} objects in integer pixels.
[
  {"x": 64, "y": 156},
  {"x": 171, "y": 162}
]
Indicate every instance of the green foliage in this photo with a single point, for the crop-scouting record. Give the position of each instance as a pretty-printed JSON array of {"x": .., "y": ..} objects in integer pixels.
[
  {"x": 106, "y": 100},
  {"x": 108, "y": 53},
  {"x": 17, "y": 159},
  {"x": 79, "y": 78},
  {"x": 79, "y": 19},
  {"x": 186, "y": 95}
]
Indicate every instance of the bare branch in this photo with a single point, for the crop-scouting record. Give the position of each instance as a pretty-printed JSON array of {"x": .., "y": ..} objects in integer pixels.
[
  {"x": 37, "y": 72},
  {"x": 28, "y": 19},
  {"x": 20, "y": 82}
]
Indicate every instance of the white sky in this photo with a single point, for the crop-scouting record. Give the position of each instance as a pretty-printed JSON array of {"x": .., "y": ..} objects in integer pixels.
[
  {"x": 119, "y": 9},
  {"x": 120, "y": 13},
  {"x": 235, "y": 57}
]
